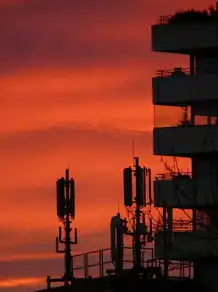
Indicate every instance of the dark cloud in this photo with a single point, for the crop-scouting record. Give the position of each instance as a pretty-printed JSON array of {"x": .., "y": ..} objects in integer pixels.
[
  {"x": 76, "y": 33},
  {"x": 45, "y": 197},
  {"x": 70, "y": 33},
  {"x": 28, "y": 268},
  {"x": 17, "y": 243},
  {"x": 77, "y": 135},
  {"x": 41, "y": 241},
  {"x": 41, "y": 156}
]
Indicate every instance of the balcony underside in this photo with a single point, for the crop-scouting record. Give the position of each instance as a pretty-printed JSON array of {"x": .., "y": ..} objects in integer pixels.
[
  {"x": 185, "y": 193},
  {"x": 179, "y": 90},
  {"x": 184, "y": 38},
  {"x": 185, "y": 141},
  {"x": 190, "y": 245}
]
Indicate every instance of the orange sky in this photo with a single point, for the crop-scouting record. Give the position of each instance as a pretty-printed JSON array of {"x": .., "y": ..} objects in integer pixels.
[{"x": 75, "y": 87}]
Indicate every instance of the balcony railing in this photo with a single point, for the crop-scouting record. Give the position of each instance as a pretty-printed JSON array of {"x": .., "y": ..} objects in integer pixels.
[
  {"x": 173, "y": 175},
  {"x": 164, "y": 116},
  {"x": 97, "y": 263},
  {"x": 182, "y": 225},
  {"x": 168, "y": 116},
  {"x": 177, "y": 226},
  {"x": 101, "y": 261},
  {"x": 178, "y": 71},
  {"x": 164, "y": 19}
]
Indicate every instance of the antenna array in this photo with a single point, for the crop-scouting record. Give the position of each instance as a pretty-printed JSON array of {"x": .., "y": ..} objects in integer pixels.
[
  {"x": 134, "y": 201},
  {"x": 65, "y": 188}
]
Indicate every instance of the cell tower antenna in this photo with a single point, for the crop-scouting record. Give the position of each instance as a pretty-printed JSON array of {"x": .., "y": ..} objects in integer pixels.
[
  {"x": 136, "y": 182},
  {"x": 66, "y": 213}
]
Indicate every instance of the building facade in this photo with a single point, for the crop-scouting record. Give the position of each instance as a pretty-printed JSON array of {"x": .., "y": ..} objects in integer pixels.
[{"x": 194, "y": 135}]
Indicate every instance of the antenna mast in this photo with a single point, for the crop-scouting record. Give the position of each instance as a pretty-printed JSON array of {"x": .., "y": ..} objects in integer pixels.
[
  {"x": 137, "y": 202},
  {"x": 66, "y": 213},
  {"x": 140, "y": 195}
]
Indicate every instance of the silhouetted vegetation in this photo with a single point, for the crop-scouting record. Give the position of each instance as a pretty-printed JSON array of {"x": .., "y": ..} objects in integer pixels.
[{"x": 195, "y": 16}]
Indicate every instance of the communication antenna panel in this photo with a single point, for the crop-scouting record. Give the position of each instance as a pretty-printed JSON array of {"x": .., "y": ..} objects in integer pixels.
[
  {"x": 61, "y": 201},
  {"x": 127, "y": 186},
  {"x": 72, "y": 198},
  {"x": 140, "y": 186},
  {"x": 116, "y": 241}
]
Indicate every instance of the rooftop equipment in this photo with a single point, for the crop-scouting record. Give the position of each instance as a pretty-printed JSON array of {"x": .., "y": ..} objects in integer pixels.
[{"x": 65, "y": 188}]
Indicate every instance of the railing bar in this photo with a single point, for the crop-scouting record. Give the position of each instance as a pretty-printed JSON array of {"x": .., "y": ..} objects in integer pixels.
[
  {"x": 97, "y": 251},
  {"x": 78, "y": 268},
  {"x": 90, "y": 252}
]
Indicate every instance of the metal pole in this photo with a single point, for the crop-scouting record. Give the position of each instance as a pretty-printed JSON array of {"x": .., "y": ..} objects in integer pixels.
[
  {"x": 137, "y": 229},
  {"x": 165, "y": 242},
  {"x": 68, "y": 268}
]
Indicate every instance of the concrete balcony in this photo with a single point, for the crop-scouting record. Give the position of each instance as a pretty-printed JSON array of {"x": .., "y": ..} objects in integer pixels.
[
  {"x": 185, "y": 140},
  {"x": 183, "y": 37},
  {"x": 181, "y": 191},
  {"x": 177, "y": 88},
  {"x": 189, "y": 245}
]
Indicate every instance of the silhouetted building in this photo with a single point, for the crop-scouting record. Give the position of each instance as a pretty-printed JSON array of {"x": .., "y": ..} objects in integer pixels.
[{"x": 194, "y": 34}]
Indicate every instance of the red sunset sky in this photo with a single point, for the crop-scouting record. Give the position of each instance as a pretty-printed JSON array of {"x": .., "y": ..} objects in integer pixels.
[{"x": 75, "y": 89}]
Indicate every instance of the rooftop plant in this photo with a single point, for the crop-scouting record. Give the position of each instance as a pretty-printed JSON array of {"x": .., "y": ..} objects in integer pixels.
[{"x": 193, "y": 15}]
